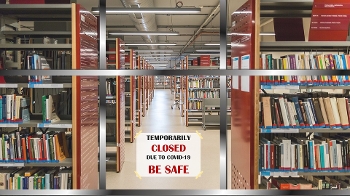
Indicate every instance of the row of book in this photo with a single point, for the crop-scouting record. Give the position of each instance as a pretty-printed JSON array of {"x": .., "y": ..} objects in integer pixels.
[
  {"x": 204, "y": 94},
  {"x": 13, "y": 108},
  {"x": 56, "y": 59},
  {"x": 305, "y": 62},
  {"x": 195, "y": 105},
  {"x": 21, "y": 146},
  {"x": 304, "y": 110},
  {"x": 110, "y": 86},
  {"x": 307, "y": 183},
  {"x": 204, "y": 83},
  {"x": 35, "y": 178},
  {"x": 303, "y": 154},
  {"x": 37, "y": 62}
]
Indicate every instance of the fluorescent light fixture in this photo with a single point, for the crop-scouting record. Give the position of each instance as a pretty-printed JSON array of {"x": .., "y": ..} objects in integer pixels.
[
  {"x": 142, "y": 33},
  {"x": 210, "y": 50},
  {"x": 165, "y": 10},
  {"x": 158, "y": 62},
  {"x": 215, "y": 44},
  {"x": 160, "y": 65},
  {"x": 243, "y": 34},
  {"x": 148, "y": 51},
  {"x": 150, "y": 44},
  {"x": 156, "y": 54},
  {"x": 199, "y": 54}
]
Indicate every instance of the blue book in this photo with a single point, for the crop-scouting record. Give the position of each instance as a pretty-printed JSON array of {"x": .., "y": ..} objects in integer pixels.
[{"x": 0, "y": 107}]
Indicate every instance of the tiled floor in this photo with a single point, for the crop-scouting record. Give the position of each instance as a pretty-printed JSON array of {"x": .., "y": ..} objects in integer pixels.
[{"x": 161, "y": 119}]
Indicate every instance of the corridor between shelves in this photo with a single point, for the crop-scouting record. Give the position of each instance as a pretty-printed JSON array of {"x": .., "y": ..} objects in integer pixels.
[{"x": 161, "y": 119}]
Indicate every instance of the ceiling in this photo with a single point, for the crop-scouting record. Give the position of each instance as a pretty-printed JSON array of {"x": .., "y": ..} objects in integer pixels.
[{"x": 186, "y": 25}]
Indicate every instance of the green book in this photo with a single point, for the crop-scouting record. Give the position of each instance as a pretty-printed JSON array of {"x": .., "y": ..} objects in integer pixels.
[{"x": 43, "y": 107}]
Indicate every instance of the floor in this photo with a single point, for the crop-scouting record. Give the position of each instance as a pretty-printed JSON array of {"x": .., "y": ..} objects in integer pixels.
[{"x": 161, "y": 119}]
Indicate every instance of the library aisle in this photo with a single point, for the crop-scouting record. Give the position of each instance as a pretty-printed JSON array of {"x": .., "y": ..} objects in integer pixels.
[{"x": 161, "y": 119}]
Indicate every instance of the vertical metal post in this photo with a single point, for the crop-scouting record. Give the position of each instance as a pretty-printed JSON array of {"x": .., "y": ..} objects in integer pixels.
[
  {"x": 102, "y": 94},
  {"x": 223, "y": 96}
]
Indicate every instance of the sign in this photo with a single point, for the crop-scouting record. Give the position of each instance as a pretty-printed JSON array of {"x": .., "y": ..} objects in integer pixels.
[{"x": 168, "y": 155}]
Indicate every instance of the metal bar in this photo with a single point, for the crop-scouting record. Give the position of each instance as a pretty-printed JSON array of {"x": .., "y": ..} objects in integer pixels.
[
  {"x": 223, "y": 95},
  {"x": 170, "y": 72},
  {"x": 102, "y": 94},
  {"x": 200, "y": 28}
]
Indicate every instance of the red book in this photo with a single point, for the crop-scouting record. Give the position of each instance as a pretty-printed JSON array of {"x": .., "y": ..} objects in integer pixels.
[{"x": 2, "y": 79}]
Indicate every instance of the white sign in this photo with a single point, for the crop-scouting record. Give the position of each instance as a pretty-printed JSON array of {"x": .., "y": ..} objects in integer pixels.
[
  {"x": 235, "y": 78},
  {"x": 245, "y": 61},
  {"x": 168, "y": 155}
]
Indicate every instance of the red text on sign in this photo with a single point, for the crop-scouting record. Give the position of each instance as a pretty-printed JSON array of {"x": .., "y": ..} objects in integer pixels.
[
  {"x": 154, "y": 169},
  {"x": 176, "y": 169},
  {"x": 168, "y": 148}
]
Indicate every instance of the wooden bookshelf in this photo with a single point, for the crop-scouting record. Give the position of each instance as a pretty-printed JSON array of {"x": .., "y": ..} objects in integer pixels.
[
  {"x": 194, "y": 114},
  {"x": 83, "y": 123},
  {"x": 131, "y": 97},
  {"x": 139, "y": 93},
  {"x": 120, "y": 106},
  {"x": 246, "y": 132}
]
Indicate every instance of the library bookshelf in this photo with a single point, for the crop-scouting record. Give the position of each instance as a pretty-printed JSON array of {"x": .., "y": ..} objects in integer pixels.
[
  {"x": 307, "y": 116},
  {"x": 196, "y": 89},
  {"x": 139, "y": 90},
  {"x": 130, "y": 96},
  {"x": 81, "y": 157}
]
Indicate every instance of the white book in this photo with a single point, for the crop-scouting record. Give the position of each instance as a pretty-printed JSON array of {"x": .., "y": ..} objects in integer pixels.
[
  {"x": 6, "y": 151},
  {"x": 18, "y": 106},
  {"x": 339, "y": 157},
  {"x": 301, "y": 156},
  {"x": 313, "y": 65},
  {"x": 293, "y": 156},
  {"x": 49, "y": 110},
  {"x": 31, "y": 183},
  {"x": 284, "y": 112},
  {"x": 13, "y": 108},
  {"x": 335, "y": 110},
  {"x": 327, "y": 164},
  {"x": 282, "y": 155},
  {"x": 307, "y": 112},
  {"x": 36, "y": 150},
  {"x": 8, "y": 107},
  {"x": 287, "y": 153},
  {"x": 291, "y": 113},
  {"x": 297, "y": 62}
]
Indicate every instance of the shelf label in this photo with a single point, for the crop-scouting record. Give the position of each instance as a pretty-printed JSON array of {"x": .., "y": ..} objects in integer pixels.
[
  {"x": 264, "y": 130},
  {"x": 50, "y": 125},
  {"x": 281, "y": 173},
  {"x": 45, "y": 85},
  {"x": 8, "y": 124},
  {"x": 295, "y": 87},
  {"x": 11, "y": 164},
  {"x": 168, "y": 155},
  {"x": 8, "y": 85}
]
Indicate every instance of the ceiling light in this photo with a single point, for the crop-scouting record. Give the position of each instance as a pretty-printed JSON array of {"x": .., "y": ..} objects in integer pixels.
[
  {"x": 142, "y": 33},
  {"x": 156, "y": 54},
  {"x": 120, "y": 10},
  {"x": 249, "y": 34},
  {"x": 150, "y": 44},
  {"x": 211, "y": 51},
  {"x": 215, "y": 44},
  {"x": 199, "y": 54},
  {"x": 147, "y": 51}
]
